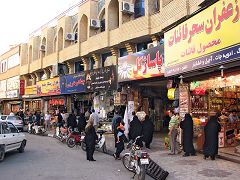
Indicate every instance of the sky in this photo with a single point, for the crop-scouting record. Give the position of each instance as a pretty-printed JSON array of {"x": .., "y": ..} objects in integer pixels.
[{"x": 19, "y": 18}]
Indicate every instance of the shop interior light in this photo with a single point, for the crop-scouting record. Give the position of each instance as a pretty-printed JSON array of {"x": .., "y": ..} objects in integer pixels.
[
  {"x": 222, "y": 70},
  {"x": 181, "y": 79}
]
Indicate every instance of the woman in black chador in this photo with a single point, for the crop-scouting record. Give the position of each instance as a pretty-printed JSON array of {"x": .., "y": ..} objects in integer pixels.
[
  {"x": 90, "y": 140},
  {"x": 211, "y": 130},
  {"x": 148, "y": 129},
  {"x": 81, "y": 122},
  {"x": 187, "y": 127}
]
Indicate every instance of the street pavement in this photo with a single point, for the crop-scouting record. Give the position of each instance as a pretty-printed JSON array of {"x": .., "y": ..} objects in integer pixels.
[{"x": 46, "y": 158}]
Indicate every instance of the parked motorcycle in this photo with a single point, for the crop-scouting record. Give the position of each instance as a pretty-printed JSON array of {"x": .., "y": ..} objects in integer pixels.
[
  {"x": 101, "y": 143},
  {"x": 136, "y": 160},
  {"x": 63, "y": 134},
  {"x": 74, "y": 138},
  {"x": 33, "y": 128}
]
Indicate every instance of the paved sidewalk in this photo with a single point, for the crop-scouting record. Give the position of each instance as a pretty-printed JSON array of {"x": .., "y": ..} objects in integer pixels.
[{"x": 187, "y": 168}]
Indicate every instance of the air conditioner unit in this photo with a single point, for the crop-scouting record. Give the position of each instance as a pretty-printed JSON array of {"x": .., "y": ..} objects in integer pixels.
[
  {"x": 127, "y": 7},
  {"x": 95, "y": 24},
  {"x": 151, "y": 45},
  {"x": 70, "y": 37},
  {"x": 42, "y": 47}
]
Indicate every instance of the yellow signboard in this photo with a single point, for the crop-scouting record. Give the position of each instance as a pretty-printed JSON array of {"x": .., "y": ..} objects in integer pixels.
[
  {"x": 31, "y": 90},
  {"x": 212, "y": 30},
  {"x": 48, "y": 87}
]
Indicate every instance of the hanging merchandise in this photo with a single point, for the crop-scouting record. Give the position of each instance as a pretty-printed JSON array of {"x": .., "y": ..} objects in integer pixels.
[{"x": 171, "y": 93}]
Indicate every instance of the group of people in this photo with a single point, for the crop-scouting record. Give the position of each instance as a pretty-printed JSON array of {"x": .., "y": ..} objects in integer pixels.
[
  {"x": 211, "y": 130},
  {"x": 137, "y": 128}
]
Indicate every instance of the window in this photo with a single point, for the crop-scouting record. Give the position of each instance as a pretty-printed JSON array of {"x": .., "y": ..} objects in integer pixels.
[
  {"x": 123, "y": 52},
  {"x": 4, "y": 66},
  {"x": 79, "y": 67},
  {"x": 102, "y": 25},
  {"x": 5, "y": 128},
  {"x": 12, "y": 118},
  {"x": 142, "y": 46},
  {"x": 12, "y": 128},
  {"x": 139, "y": 8},
  {"x": 104, "y": 57},
  {"x": 3, "y": 117},
  {"x": 92, "y": 63}
]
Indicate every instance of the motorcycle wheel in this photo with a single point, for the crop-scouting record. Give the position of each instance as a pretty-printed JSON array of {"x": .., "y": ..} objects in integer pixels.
[
  {"x": 71, "y": 142},
  {"x": 83, "y": 146},
  {"x": 127, "y": 162},
  {"x": 142, "y": 174},
  {"x": 104, "y": 148}
]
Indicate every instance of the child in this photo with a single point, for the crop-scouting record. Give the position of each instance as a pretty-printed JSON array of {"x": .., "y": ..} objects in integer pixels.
[{"x": 120, "y": 130}]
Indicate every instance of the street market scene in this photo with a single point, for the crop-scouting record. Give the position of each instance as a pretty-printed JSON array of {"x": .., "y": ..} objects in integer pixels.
[{"x": 122, "y": 89}]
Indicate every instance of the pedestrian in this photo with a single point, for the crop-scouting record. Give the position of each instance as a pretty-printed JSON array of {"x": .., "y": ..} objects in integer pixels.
[
  {"x": 187, "y": 126},
  {"x": 95, "y": 118},
  {"x": 90, "y": 139},
  {"x": 47, "y": 119},
  {"x": 81, "y": 122},
  {"x": 88, "y": 113},
  {"x": 115, "y": 119},
  {"x": 135, "y": 129},
  {"x": 173, "y": 126},
  {"x": 59, "y": 120},
  {"x": 119, "y": 143},
  {"x": 38, "y": 118},
  {"x": 233, "y": 117},
  {"x": 71, "y": 121},
  {"x": 148, "y": 129},
  {"x": 211, "y": 130}
]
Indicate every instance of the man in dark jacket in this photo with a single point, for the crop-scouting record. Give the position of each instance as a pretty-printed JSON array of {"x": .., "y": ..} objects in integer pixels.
[
  {"x": 135, "y": 129},
  {"x": 71, "y": 121},
  {"x": 148, "y": 129},
  {"x": 81, "y": 122}
]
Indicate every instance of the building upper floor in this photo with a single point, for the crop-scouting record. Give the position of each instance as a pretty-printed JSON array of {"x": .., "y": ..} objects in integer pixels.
[{"x": 87, "y": 34}]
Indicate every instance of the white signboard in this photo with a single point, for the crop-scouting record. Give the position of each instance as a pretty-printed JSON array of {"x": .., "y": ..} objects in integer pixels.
[
  {"x": 12, "y": 94},
  {"x": 13, "y": 83},
  {"x": 3, "y": 86}
]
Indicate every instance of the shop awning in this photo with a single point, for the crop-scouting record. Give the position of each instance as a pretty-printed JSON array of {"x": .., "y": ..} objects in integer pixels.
[{"x": 15, "y": 102}]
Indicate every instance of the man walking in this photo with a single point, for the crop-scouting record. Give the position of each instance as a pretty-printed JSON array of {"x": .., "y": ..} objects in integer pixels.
[
  {"x": 47, "y": 119},
  {"x": 95, "y": 118}
]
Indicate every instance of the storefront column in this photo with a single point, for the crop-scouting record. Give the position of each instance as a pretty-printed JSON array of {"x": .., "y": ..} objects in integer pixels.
[
  {"x": 34, "y": 79},
  {"x": 97, "y": 60},
  {"x": 85, "y": 63},
  {"x": 70, "y": 66},
  {"x": 69, "y": 103},
  {"x": 131, "y": 48},
  {"x": 47, "y": 72},
  {"x": 38, "y": 78}
]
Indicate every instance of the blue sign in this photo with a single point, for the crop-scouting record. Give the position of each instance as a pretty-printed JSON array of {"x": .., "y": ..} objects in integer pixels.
[
  {"x": 220, "y": 57},
  {"x": 73, "y": 83}
]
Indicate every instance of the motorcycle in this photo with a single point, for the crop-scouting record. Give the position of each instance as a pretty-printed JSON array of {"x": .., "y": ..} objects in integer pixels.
[
  {"x": 63, "y": 134},
  {"x": 100, "y": 144},
  {"x": 136, "y": 160},
  {"x": 74, "y": 138},
  {"x": 33, "y": 128}
]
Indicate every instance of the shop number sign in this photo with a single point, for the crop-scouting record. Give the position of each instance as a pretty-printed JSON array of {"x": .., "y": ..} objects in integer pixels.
[{"x": 183, "y": 99}]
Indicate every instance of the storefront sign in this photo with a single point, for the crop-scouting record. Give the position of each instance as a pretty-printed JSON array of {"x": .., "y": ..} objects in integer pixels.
[
  {"x": 3, "y": 86},
  {"x": 183, "y": 100},
  {"x": 140, "y": 65},
  {"x": 13, "y": 83},
  {"x": 48, "y": 87},
  {"x": 209, "y": 38},
  {"x": 74, "y": 83},
  {"x": 22, "y": 86},
  {"x": 102, "y": 79},
  {"x": 31, "y": 90},
  {"x": 12, "y": 94},
  {"x": 56, "y": 102}
]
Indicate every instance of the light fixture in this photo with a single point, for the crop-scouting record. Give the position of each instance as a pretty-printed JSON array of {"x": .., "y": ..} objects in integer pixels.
[
  {"x": 181, "y": 79},
  {"x": 222, "y": 69}
]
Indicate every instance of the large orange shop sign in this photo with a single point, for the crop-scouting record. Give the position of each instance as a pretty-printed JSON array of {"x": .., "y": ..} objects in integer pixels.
[
  {"x": 48, "y": 87},
  {"x": 209, "y": 38}
]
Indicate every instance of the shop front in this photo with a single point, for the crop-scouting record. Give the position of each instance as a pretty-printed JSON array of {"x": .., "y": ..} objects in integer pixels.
[
  {"x": 31, "y": 101},
  {"x": 102, "y": 83},
  {"x": 206, "y": 61},
  {"x": 143, "y": 87},
  {"x": 72, "y": 86},
  {"x": 49, "y": 91}
]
